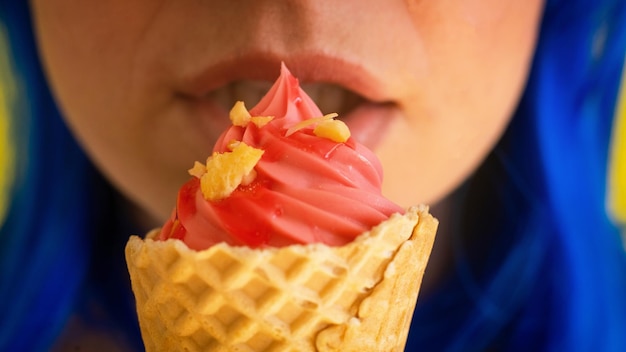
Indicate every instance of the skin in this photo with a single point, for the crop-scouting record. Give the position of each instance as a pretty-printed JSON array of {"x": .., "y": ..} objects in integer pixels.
[
  {"x": 131, "y": 79},
  {"x": 145, "y": 86}
]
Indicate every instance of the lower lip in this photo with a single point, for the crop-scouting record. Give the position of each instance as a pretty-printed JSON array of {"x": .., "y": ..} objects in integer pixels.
[{"x": 369, "y": 123}]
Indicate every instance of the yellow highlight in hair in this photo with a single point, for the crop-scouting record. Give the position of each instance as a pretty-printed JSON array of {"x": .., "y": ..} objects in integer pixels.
[
  {"x": 8, "y": 90},
  {"x": 617, "y": 166}
]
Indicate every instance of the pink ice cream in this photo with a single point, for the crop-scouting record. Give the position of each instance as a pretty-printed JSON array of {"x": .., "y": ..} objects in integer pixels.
[{"x": 307, "y": 189}]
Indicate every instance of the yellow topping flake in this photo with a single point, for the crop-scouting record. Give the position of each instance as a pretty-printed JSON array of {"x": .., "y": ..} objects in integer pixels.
[
  {"x": 261, "y": 121},
  {"x": 197, "y": 170},
  {"x": 335, "y": 130},
  {"x": 303, "y": 124},
  {"x": 232, "y": 145},
  {"x": 239, "y": 115},
  {"x": 226, "y": 171}
]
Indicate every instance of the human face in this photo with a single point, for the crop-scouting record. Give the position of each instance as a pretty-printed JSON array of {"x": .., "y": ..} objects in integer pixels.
[{"x": 146, "y": 85}]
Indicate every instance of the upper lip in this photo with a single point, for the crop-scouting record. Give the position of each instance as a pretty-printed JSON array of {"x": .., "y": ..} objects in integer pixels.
[{"x": 308, "y": 68}]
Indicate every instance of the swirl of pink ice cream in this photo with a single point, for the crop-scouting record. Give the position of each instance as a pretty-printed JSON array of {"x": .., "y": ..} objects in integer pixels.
[{"x": 307, "y": 188}]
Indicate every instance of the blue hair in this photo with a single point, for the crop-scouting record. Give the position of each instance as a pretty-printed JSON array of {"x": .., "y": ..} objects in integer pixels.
[
  {"x": 538, "y": 265},
  {"x": 56, "y": 216}
]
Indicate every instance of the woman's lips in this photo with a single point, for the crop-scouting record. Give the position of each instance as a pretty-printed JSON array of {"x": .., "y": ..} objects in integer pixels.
[
  {"x": 263, "y": 66},
  {"x": 368, "y": 121},
  {"x": 334, "y": 85}
]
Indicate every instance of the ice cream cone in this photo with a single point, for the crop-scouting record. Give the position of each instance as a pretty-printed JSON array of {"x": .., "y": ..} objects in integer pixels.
[{"x": 357, "y": 297}]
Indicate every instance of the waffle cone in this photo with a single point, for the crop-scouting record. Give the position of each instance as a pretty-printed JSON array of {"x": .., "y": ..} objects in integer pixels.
[{"x": 356, "y": 297}]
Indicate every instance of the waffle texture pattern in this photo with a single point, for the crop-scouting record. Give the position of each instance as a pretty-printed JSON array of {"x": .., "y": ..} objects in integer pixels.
[{"x": 359, "y": 296}]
